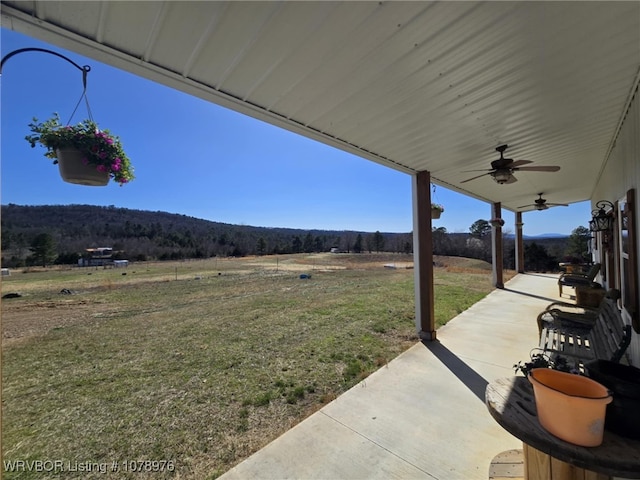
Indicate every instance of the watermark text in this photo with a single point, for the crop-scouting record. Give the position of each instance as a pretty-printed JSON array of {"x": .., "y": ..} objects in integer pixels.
[{"x": 59, "y": 466}]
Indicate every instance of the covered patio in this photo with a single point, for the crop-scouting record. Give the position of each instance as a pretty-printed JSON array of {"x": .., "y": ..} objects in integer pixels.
[
  {"x": 423, "y": 415},
  {"x": 431, "y": 89}
]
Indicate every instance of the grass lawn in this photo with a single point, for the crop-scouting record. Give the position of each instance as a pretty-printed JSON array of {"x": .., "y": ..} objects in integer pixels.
[{"x": 182, "y": 370}]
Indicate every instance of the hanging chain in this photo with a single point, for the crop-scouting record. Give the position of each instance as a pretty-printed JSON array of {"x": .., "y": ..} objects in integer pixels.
[
  {"x": 433, "y": 193},
  {"x": 85, "y": 70}
]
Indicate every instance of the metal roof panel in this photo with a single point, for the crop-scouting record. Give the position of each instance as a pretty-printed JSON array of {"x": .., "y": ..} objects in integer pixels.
[{"x": 414, "y": 85}]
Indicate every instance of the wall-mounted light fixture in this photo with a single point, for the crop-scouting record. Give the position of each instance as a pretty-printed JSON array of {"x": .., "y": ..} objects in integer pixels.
[{"x": 602, "y": 220}]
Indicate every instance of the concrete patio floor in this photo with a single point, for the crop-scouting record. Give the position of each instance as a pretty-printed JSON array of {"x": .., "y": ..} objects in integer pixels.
[{"x": 423, "y": 415}]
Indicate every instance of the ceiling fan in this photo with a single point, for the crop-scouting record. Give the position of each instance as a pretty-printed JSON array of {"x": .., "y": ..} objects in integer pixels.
[
  {"x": 502, "y": 169},
  {"x": 541, "y": 204}
]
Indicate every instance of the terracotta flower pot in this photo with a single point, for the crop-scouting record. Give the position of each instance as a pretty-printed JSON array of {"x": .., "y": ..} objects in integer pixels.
[
  {"x": 571, "y": 407},
  {"x": 73, "y": 170},
  {"x": 435, "y": 213}
]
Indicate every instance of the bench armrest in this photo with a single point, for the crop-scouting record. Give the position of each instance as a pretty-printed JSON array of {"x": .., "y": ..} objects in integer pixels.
[{"x": 572, "y": 308}]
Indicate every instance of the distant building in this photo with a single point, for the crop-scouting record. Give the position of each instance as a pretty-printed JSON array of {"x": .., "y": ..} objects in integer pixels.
[{"x": 97, "y": 257}]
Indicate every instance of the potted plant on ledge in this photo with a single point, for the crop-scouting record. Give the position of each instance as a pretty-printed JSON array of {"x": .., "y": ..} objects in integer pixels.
[
  {"x": 436, "y": 210},
  {"x": 85, "y": 154},
  {"x": 496, "y": 222},
  {"x": 541, "y": 360}
]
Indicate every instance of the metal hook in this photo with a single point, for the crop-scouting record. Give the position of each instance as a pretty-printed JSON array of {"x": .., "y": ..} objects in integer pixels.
[{"x": 86, "y": 69}]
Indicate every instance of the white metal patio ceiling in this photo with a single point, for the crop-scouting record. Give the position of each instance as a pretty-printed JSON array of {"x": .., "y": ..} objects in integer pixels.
[{"x": 413, "y": 85}]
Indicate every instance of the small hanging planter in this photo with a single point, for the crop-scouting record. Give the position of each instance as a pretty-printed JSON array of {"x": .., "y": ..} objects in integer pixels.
[
  {"x": 436, "y": 210},
  {"x": 496, "y": 222},
  {"x": 85, "y": 154},
  {"x": 74, "y": 168}
]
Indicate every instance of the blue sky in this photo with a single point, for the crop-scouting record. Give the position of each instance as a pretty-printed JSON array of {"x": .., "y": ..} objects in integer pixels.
[{"x": 195, "y": 158}]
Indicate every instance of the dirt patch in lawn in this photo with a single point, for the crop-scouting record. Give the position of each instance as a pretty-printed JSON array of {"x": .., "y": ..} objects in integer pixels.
[{"x": 24, "y": 319}]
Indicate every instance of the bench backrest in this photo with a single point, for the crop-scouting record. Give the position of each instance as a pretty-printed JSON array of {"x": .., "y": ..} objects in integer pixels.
[
  {"x": 610, "y": 336},
  {"x": 593, "y": 271}
]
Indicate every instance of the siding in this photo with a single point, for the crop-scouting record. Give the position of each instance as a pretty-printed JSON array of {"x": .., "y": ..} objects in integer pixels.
[{"x": 621, "y": 173}]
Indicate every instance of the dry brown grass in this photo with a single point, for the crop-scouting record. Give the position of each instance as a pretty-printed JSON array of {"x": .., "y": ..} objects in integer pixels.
[{"x": 200, "y": 362}]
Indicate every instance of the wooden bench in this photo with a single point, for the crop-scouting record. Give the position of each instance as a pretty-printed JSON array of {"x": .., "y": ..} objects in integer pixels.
[{"x": 582, "y": 338}]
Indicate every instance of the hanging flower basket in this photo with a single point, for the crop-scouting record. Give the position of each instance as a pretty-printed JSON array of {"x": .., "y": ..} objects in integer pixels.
[
  {"x": 436, "y": 210},
  {"x": 95, "y": 154},
  {"x": 496, "y": 222}
]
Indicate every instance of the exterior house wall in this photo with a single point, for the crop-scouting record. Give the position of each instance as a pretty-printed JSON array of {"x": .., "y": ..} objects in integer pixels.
[{"x": 621, "y": 173}]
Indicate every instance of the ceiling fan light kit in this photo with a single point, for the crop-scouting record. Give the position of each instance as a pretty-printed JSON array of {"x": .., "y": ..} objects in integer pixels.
[
  {"x": 541, "y": 204},
  {"x": 501, "y": 176},
  {"x": 502, "y": 169}
]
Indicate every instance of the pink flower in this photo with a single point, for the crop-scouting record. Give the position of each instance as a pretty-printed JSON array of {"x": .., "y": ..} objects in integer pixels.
[
  {"x": 101, "y": 168},
  {"x": 115, "y": 167},
  {"x": 102, "y": 155}
]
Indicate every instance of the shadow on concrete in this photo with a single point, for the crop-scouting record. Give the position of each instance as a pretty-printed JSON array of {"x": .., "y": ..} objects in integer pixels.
[
  {"x": 467, "y": 375},
  {"x": 530, "y": 295},
  {"x": 544, "y": 275}
]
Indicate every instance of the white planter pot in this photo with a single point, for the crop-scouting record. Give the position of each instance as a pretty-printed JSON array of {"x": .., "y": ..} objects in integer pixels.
[{"x": 72, "y": 169}]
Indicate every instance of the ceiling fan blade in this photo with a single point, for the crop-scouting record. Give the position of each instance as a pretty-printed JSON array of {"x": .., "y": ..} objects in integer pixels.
[
  {"x": 517, "y": 163},
  {"x": 558, "y": 204},
  {"x": 479, "y": 170},
  {"x": 526, "y": 206},
  {"x": 540, "y": 168},
  {"x": 469, "y": 179}
]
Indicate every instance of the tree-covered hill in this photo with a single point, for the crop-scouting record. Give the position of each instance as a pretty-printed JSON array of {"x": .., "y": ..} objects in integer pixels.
[
  {"x": 63, "y": 233},
  {"x": 146, "y": 235}
]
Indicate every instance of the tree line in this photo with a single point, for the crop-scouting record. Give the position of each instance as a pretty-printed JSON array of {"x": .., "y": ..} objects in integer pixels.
[
  {"x": 66, "y": 232},
  {"x": 42, "y": 235}
]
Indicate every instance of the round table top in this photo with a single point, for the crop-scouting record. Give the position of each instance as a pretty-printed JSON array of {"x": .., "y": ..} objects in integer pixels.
[{"x": 511, "y": 403}]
